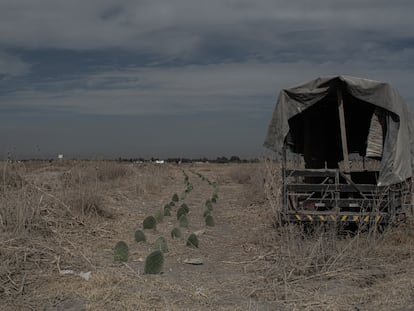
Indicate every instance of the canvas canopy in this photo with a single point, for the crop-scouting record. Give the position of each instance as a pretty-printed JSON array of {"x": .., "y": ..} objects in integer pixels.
[{"x": 378, "y": 124}]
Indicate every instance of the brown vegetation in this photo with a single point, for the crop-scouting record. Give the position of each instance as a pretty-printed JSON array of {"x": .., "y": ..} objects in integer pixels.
[{"x": 69, "y": 215}]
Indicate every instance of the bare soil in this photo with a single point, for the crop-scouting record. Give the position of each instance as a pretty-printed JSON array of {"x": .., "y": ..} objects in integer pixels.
[{"x": 248, "y": 264}]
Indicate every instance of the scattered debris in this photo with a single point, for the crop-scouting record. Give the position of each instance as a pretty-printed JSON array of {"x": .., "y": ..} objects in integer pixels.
[
  {"x": 194, "y": 261},
  {"x": 84, "y": 275}
]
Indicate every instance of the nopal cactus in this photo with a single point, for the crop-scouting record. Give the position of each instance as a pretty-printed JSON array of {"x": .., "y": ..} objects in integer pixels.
[
  {"x": 210, "y": 221},
  {"x": 175, "y": 198},
  {"x": 181, "y": 211},
  {"x": 209, "y": 205},
  {"x": 159, "y": 216},
  {"x": 185, "y": 206},
  {"x": 206, "y": 213},
  {"x": 175, "y": 233},
  {"x": 154, "y": 262},
  {"x": 192, "y": 240},
  {"x": 150, "y": 223},
  {"x": 167, "y": 210},
  {"x": 183, "y": 221},
  {"x": 139, "y": 236},
  {"x": 161, "y": 244},
  {"x": 121, "y": 251}
]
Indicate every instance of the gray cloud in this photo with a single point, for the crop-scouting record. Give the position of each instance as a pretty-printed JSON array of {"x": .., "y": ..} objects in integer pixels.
[
  {"x": 106, "y": 62},
  {"x": 248, "y": 87},
  {"x": 11, "y": 65},
  {"x": 181, "y": 27}
]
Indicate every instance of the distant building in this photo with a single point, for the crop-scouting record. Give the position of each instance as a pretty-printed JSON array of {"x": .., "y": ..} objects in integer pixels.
[{"x": 60, "y": 156}]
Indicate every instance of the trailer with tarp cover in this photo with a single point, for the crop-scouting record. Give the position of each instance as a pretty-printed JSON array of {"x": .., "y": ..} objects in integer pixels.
[{"x": 346, "y": 147}]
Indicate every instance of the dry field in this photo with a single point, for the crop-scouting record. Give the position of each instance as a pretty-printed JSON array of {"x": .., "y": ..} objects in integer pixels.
[{"x": 64, "y": 216}]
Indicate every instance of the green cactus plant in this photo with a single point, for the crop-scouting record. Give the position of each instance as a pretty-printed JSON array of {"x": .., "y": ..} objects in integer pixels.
[
  {"x": 209, "y": 205},
  {"x": 167, "y": 210},
  {"x": 210, "y": 221},
  {"x": 192, "y": 240},
  {"x": 121, "y": 251},
  {"x": 175, "y": 233},
  {"x": 159, "y": 216},
  {"x": 181, "y": 211},
  {"x": 185, "y": 206},
  {"x": 183, "y": 221},
  {"x": 139, "y": 236},
  {"x": 175, "y": 198},
  {"x": 154, "y": 262},
  {"x": 206, "y": 213},
  {"x": 150, "y": 223},
  {"x": 161, "y": 244}
]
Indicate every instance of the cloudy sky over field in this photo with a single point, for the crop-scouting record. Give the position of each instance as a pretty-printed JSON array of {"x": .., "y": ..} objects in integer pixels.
[{"x": 180, "y": 77}]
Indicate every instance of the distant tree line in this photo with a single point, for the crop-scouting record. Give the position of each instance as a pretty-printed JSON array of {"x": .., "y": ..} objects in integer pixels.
[{"x": 223, "y": 159}]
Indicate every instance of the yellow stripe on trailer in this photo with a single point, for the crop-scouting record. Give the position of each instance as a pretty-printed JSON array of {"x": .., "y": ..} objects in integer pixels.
[
  {"x": 298, "y": 217},
  {"x": 377, "y": 218},
  {"x": 309, "y": 217},
  {"x": 366, "y": 218},
  {"x": 321, "y": 217},
  {"x": 355, "y": 218},
  {"x": 333, "y": 217},
  {"x": 344, "y": 217}
]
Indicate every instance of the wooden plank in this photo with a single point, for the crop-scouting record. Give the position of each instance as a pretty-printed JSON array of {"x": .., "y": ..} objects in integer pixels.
[{"x": 343, "y": 131}]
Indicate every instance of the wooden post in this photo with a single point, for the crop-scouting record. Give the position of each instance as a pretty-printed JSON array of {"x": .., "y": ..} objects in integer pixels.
[{"x": 343, "y": 131}]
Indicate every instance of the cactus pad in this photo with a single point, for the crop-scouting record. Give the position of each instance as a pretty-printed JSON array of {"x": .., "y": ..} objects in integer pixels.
[
  {"x": 150, "y": 223},
  {"x": 192, "y": 240},
  {"x": 154, "y": 263},
  {"x": 121, "y": 251}
]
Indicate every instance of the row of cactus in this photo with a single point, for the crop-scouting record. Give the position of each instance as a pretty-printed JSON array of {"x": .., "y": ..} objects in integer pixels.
[
  {"x": 155, "y": 260},
  {"x": 188, "y": 185},
  {"x": 208, "y": 217}
]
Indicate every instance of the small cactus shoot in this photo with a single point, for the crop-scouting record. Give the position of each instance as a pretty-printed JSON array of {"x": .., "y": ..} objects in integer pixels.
[
  {"x": 121, "y": 252},
  {"x": 167, "y": 210},
  {"x": 159, "y": 216},
  {"x": 139, "y": 236},
  {"x": 185, "y": 206},
  {"x": 192, "y": 240},
  {"x": 181, "y": 211},
  {"x": 209, "y": 205},
  {"x": 175, "y": 233},
  {"x": 175, "y": 197},
  {"x": 150, "y": 223},
  {"x": 206, "y": 213},
  {"x": 183, "y": 221},
  {"x": 154, "y": 262},
  {"x": 161, "y": 244},
  {"x": 210, "y": 221}
]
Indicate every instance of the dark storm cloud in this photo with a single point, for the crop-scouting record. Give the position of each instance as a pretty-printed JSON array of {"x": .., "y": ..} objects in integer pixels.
[{"x": 162, "y": 59}]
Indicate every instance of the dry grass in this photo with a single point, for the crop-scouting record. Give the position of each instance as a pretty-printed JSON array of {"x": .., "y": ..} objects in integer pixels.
[
  {"x": 320, "y": 269},
  {"x": 41, "y": 206},
  {"x": 252, "y": 177},
  {"x": 53, "y": 220},
  {"x": 151, "y": 179}
]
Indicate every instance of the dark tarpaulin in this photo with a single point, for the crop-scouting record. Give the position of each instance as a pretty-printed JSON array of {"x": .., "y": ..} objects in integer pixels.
[{"x": 397, "y": 160}]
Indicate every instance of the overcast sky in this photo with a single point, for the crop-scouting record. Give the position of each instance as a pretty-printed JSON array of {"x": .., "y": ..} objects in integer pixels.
[{"x": 180, "y": 78}]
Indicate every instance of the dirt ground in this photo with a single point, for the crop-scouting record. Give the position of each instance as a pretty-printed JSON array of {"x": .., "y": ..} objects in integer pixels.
[{"x": 248, "y": 264}]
